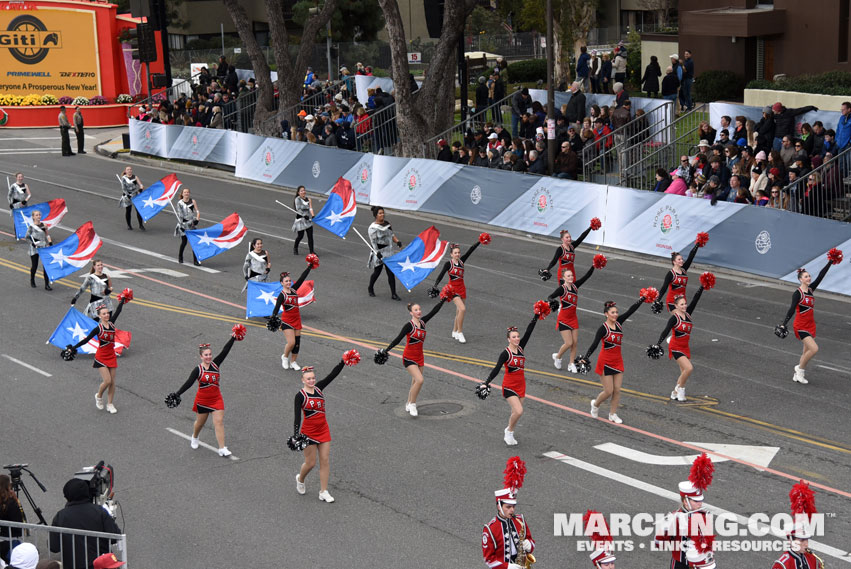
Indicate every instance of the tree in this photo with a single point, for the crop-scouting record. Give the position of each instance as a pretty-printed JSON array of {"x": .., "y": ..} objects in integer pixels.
[
  {"x": 353, "y": 20},
  {"x": 430, "y": 110},
  {"x": 290, "y": 72},
  {"x": 172, "y": 12},
  {"x": 661, "y": 7}
]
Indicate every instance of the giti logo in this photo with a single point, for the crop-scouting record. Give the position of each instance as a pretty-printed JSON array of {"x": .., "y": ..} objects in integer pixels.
[{"x": 28, "y": 39}]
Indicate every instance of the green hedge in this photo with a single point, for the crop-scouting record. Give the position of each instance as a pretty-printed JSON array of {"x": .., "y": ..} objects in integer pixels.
[
  {"x": 527, "y": 71},
  {"x": 718, "y": 86},
  {"x": 830, "y": 83}
]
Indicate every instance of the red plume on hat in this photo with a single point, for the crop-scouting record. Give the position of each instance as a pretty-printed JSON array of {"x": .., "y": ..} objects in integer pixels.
[
  {"x": 803, "y": 499},
  {"x": 701, "y": 472},
  {"x": 596, "y": 537},
  {"x": 514, "y": 473}
]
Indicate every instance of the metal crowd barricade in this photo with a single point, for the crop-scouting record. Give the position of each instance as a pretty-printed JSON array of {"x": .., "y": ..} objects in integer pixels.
[
  {"x": 494, "y": 113},
  {"x": 383, "y": 135},
  {"x": 824, "y": 191},
  {"x": 170, "y": 93},
  {"x": 307, "y": 104},
  {"x": 75, "y": 548}
]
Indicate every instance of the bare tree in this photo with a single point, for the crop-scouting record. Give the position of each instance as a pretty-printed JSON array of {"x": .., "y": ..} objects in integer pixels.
[
  {"x": 573, "y": 21},
  {"x": 430, "y": 110},
  {"x": 661, "y": 7}
]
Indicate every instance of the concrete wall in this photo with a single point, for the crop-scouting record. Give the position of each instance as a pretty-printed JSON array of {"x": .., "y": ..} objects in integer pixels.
[{"x": 767, "y": 97}]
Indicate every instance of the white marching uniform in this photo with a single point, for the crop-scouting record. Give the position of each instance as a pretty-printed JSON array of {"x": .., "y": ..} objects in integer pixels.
[
  {"x": 99, "y": 287},
  {"x": 302, "y": 218},
  {"x": 36, "y": 237},
  {"x": 381, "y": 237},
  {"x": 254, "y": 267},
  {"x": 129, "y": 189},
  {"x": 185, "y": 217},
  {"x": 17, "y": 195}
]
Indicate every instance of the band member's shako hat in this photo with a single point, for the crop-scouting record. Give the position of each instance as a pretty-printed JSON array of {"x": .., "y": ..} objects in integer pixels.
[
  {"x": 803, "y": 502},
  {"x": 513, "y": 475},
  {"x": 699, "y": 479}
]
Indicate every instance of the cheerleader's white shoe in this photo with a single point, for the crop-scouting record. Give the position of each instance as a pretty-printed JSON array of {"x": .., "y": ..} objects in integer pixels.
[
  {"x": 799, "y": 375},
  {"x": 556, "y": 361},
  {"x": 460, "y": 337},
  {"x": 454, "y": 335},
  {"x": 295, "y": 366},
  {"x": 509, "y": 437},
  {"x": 681, "y": 393},
  {"x": 285, "y": 362},
  {"x": 224, "y": 451},
  {"x": 299, "y": 485},
  {"x": 111, "y": 408},
  {"x": 98, "y": 402},
  {"x": 613, "y": 417},
  {"x": 595, "y": 411},
  {"x": 571, "y": 368},
  {"x": 193, "y": 443},
  {"x": 326, "y": 497},
  {"x": 412, "y": 409}
]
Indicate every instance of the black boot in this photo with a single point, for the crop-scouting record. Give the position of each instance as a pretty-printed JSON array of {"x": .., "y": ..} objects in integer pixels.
[
  {"x": 47, "y": 285},
  {"x": 180, "y": 259},
  {"x": 295, "y": 249},
  {"x": 32, "y": 283},
  {"x": 395, "y": 296},
  {"x": 371, "y": 292},
  {"x": 196, "y": 262}
]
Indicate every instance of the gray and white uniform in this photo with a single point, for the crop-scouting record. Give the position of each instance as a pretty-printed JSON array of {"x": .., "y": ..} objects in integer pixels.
[
  {"x": 254, "y": 267},
  {"x": 129, "y": 189},
  {"x": 302, "y": 219},
  {"x": 17, "y": 195},
  {"x": 36, "y": 237},
  {"x": 100, "y": 289},
  {"x": 381, "y": 237},
  {"x": 186, "y": 216}
]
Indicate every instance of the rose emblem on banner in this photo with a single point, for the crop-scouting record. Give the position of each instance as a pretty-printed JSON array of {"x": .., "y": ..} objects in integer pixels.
[
  {"x": 543, "y": 200},
  {"x": 412, "y": 179},
  {"x": 667, "y": 223},
  {"x": 763, "y": 242},
  {"x": 194, "y": 140},
  {"x": 316, "y": 170},
  {"x": 476, "y": 195},
  {"x": 365, "y": 174},
  {"x": 147, "y": 134},
  {"x": 268, "y": 156},
  {"x": 666, "y": 219}
]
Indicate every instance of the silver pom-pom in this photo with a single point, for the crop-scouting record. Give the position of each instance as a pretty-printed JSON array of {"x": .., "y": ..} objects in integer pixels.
[
  {"x": 483, "y": 390},
  {"x": 656, "y": 307},
  {"x": 381, "y": 357},
  {"x": 583, "y": 364},
  {"x": 69, "y": 353},
  {"x": 172, "y": 400},
  {"x": 655, "y": 351},
  {"x": 273, "y": 324},
  {"x": 781, "y": 331},
  {"x": 433, "y": 292},
  {"x": 298, "y": 442},
  {"x": 545, "y": 274}
]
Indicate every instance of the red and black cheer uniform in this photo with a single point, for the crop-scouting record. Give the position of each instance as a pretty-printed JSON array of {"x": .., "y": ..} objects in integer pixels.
[
  {"x": 566, "y": 257},
  {"x": 514, "y": 378},
  {"x": 796, "y": 560},
  {"x": 456, "y": 273},
  {"x": 610, "y": 361},
  {"x": 677, "y": 281},
  {"x": 501, "y": 540},
  {"x": 312, "y": 405},
  {"x": 209, "y": 396},
  {"x": 290, "y": 316},
  {"x": 679, "y": 529},
  {"x": 568, "y": 296},
  {"x": 415, "y": 338},
  {"x": 105, "y": 355},
  {"x": 679, "y": 346},
  {"x": 804, "y": 302}
]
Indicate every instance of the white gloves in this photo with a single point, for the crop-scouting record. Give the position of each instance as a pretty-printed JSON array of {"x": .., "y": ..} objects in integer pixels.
[
  {"x": 526, "y": 545},
  {"x": 514, "y": 566}
]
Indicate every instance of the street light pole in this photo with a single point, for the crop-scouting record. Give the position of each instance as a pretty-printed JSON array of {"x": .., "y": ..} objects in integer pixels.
[
  {"x": 551, "y": 115},
  {"x": 328, "y": 49}
]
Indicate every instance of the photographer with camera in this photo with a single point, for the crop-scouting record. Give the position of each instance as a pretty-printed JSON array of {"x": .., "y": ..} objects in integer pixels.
[
  {"x": 10, "y": 511},
  {"x": 79, "y": 552}
]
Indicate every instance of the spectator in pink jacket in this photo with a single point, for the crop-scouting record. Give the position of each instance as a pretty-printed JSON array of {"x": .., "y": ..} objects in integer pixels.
[{"x": 678, "y": 186}]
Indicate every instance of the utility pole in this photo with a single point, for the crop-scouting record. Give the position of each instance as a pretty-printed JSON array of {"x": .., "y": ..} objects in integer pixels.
[
  {"x": 463, "y": 80},
  {"x": 328, "y": 49},
  {"x": 551, "y": 115}
]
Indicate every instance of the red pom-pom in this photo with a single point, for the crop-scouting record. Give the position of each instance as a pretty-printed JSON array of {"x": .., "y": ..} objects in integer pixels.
[
  {"x": 351, "y": 358},
  {"x": 701, "y": 472},
  {"x": 649, "y": 294},
  {"x": 600, "y": 261},
  {"x": 596, "y": 223},
  {"x": 542, "y": 309},
  {"x": 485, "y": 238},
  {"x": 447, "y": 293},
  {"x": 592, "y": 530},
  {"x": 514, "y": 473},
  {"x": 707, "y": 280},
  {"x": 803, "y": 499},
  {"x": 312, "y": 260},
  {"x": 834, "y": 256},
  {"x": 702, "y": 239},
  {"x": 238, "y": 332},
  {"x": 126, "y": 295}
]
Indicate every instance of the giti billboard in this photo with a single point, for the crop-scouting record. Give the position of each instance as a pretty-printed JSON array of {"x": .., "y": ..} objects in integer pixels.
[{"x": 49, "y": 51}]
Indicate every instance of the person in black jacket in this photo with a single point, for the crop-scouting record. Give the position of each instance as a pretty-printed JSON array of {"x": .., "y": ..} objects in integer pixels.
[
  {"x": 670, "y": 85},
  {"x": 79, "y": 552},
  {"x": 444, "y": 154},
  {"x": 784, "y": 121},
  {"x": 481, "y": 98},
  {"x": 765, "y": 131},
  {"x": 650, "y": 79},
  {"x": 575, "y": 111}
]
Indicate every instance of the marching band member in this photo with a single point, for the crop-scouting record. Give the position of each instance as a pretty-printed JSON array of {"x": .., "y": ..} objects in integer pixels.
[
  {"x": 414, "y": 332},
  {"x": 188, "y": 216},
  {"x": 19, "y": 194},
  {"x": 130, "y": 187},
  {"x": 208, "y": 398},
  {"x": 677, "y": 277},
  {"x": 38, "y": 237},
  {"x": 565, "y": 253},
  {"x": 105, "y": 361},
  {"x": 610, "y": 366},
  {"x": 568, "y": 324},
  {"x": 100, "y": 287},
  {"x": 799, "y": 555},
  {"x": 507, "y": 541},
  {"x": 312, "y": 435},
  {"x": 382, "y": 238},
  {"x": 803, "y": 306},
  {"x": 257, "y": 262},
  {"x": 303, "y": 222},
  {"x": 455, "y": 267},
  {"x": 681, "y": 325},
  {"x": 290, "y": 321},
  {"x": 513, "y": 360}
]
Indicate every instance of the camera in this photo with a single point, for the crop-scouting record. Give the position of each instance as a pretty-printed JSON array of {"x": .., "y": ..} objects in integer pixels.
[{"x": 100, "y": 478}]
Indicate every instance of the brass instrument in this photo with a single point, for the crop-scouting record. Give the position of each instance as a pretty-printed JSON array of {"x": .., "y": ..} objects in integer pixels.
[
  {"x": 527, "y": 559},
  {"x": 818, "y": 559}
]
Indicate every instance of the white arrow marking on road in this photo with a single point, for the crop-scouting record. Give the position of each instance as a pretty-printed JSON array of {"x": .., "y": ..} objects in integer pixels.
[
  {"x": 674, "y": 496},
  {"x": 759, "y": 455},
  {"x": 128, "y": 273}
]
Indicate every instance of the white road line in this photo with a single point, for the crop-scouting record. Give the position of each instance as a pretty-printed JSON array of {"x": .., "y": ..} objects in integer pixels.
[
  {"x": 834, "y": 369},
  {"x": 200, "y": 443},
  {"x": 26, "y": 365},
  {"x": 674, "y": 496}
]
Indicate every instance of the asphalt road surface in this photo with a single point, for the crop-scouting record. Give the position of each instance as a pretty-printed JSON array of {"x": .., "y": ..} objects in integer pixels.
[{"x": 410, "y": 492}]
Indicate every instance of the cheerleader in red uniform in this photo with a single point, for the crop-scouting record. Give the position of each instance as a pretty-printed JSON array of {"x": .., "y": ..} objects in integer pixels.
[
  {"x": 513, "y": 360},
  {"x": 803, "y": 305},
  {"x": 414, "y": 332},
  {"x": 455, "y": 267},
  {"x": 208, "y": 399},
  {"x": 313, "y": 434},
  {"x": 610, "y": 366},
  {"x": 677, "y": 278},
  {"x": 290, "y": 321},
  {"x": 568, "y": 324},
  {"x": 681, "y": 325},
  {"x": 105, "y": 361},
  {"x": 564, "y": 253}
]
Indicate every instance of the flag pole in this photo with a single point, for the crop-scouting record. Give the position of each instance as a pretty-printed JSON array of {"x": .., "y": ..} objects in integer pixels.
[
  {"x": 355, "y": 229},
  {"x": 286, "y": 206}
]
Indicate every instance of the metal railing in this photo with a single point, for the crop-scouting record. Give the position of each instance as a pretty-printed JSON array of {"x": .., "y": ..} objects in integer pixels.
[
  {"x": 606, "y": 160},
  {"x": 494, "y": 113},
  {"x": 307, "y": 104},
  {"x": 75, "y": 548},
  {"x": 823, "y": 192},
  {"x": 643, "y": 158},
  {"x": 383, "y": 133},
  {"x": 170, "y": 94}
]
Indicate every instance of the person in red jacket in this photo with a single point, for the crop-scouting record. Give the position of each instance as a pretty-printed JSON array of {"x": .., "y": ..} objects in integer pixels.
[{"x": 507, "y": 539}]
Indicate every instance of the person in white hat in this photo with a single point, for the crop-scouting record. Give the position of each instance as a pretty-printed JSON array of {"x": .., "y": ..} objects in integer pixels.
[
  {"x": 507, "y": 539},
  {"x": 603, "y": 559}
]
